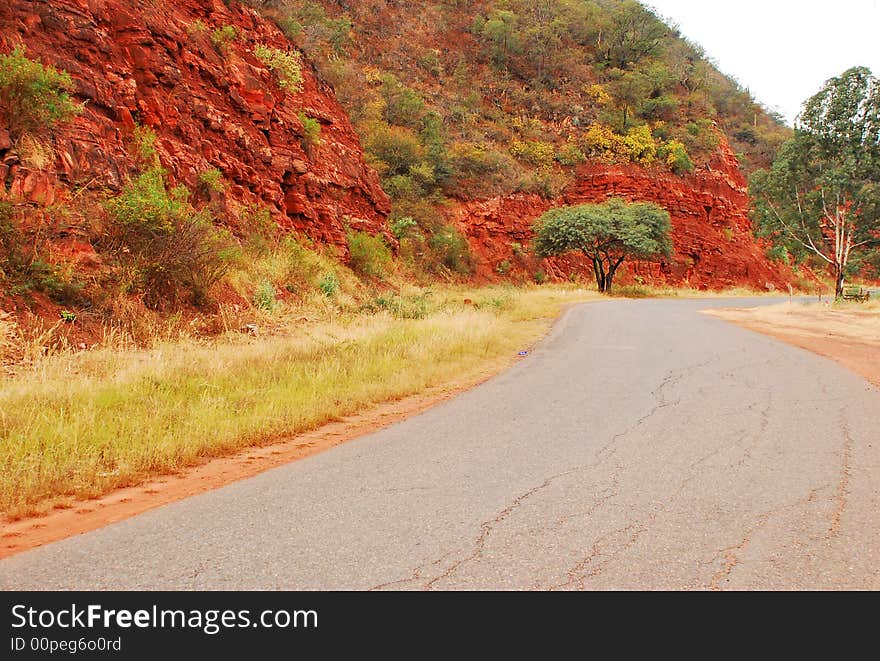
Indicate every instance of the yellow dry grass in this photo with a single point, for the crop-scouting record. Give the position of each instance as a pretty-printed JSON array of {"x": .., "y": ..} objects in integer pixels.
[
  {"x": 858, "y": 322},
  {"x": 84, "y": 423}
]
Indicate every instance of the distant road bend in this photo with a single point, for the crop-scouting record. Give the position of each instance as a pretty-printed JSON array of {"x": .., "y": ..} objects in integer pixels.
[{"x": 642, "y": 446}]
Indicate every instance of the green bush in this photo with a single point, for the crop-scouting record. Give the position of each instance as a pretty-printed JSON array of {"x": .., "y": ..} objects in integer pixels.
[
  {"x": 540, "y": 277},
  {"x": 166, "y": 245},
  {"x": 265, "y": 298},
  {"x": 223, "y": 37},
  {"x": 369, "y": 255},
  {"x": 287, "y": 66},
  {"x": 402, "y": 227},
  {"x": 211, "y": 181},
  {"x": 779, "y": 254},
  {"x": 307, "y": 22},
  {"x": 674, "y": 153},
  {"x": 570, "y": 154},
  {"x": 392, "y": 150},
  {"x": 503, "y": 268},
  {"x": 33, "y": 96},
  {"x": 145, "y": 140},
  {"x": 329, "y": 284},
  {"x": 311, "y": 130},
  {"x": 450, "y": 251},
  {"x": 403, "y": 106},
  {"x": 534, "y": 152}
]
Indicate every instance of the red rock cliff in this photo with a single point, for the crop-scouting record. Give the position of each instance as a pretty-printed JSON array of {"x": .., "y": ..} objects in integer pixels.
[
  {"x": 711, "y": 230},
  {"x": 153, "y": 62}
]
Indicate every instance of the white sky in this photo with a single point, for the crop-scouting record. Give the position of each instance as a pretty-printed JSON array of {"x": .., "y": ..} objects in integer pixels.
[{"x": 781, "y": 50}]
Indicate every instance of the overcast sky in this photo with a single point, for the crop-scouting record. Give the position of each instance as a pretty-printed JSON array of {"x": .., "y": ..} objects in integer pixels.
[{"x": 781, "y": 50}]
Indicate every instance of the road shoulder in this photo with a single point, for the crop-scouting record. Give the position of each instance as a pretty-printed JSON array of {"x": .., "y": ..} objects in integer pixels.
[{"x": 848, "y": 336}]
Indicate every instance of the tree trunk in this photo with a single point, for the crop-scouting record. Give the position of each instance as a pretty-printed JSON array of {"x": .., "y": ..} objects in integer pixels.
[
  {"x": 838, "y": 281},
  {"x": 609, "y": 281},
  {"x": 612, "y": 271},
  {"x": 601, "y": 278}
]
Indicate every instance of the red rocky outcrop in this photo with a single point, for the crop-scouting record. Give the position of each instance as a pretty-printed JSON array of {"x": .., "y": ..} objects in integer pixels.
[
  {"x": 154, "y": 63},
  {"x": 712, "y": 238}
]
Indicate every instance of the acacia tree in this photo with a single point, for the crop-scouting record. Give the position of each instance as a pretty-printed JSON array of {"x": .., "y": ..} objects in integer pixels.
[
  {"x": 822, "y": 194},
  {"x": 608, "y": 234}
]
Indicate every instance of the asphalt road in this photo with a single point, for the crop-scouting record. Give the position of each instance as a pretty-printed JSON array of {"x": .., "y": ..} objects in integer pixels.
[{"x": 642, "y": 446}]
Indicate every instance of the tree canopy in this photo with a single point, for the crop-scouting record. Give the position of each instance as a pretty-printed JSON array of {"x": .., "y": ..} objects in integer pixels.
[
  {"x": 822, "y": 194},
  {"x": 608, "y": 234}
]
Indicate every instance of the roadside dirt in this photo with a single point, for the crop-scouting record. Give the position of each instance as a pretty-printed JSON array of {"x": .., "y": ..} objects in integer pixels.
[
  {"x": 74, "y": 517},
  {"x": 850, "y": 336}
]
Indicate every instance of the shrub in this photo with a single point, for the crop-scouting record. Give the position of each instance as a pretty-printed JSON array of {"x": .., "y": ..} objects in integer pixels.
[
  {"x": 450, "y": 251},
  {"x": 265, "y": 297},
  {"x": 197, "y": 27},
  {"x": 640, "y": 145},
  {"x": 145, "y": 146},
  {"x": 164, "y": 242},
  {"x": 403, "y": 105},
  {"x": 477, "y": 170},
  {"x": 33, "y": 96},
  {"x": 534, "y": 152},
  {"x": 392, "y": 150},
  {"x": 503, "y": 268},
  {"x": 223, "y": 37},
  {"x": 329, "y": 284},
  {"x": 601, "y": 142},
  {"x": 307, "y": 22},
  {"x": 211, "y": 180},
  {"x": 779, "y": 254},
  {"x": 540, "y": 277},
  {"x": 34, "y": 152},
  {"x": 258, "y": 228},
  {"x": 674, "y": 153},
  {"x": 570, "y": 154},
  {"x": 287, "y": 66},
  {"x": 470, "y": 159},
  {"x": 402, "y": 227},
  {"x": 369, "y": 255},
  {"x": 311, "y": 130},
  {"x": 701, "y": 137}
]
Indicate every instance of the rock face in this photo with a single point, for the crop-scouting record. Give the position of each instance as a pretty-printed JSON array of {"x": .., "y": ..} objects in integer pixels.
[
  {"x": 155, "y": 64},
  {"x": 712, "y": 238}
]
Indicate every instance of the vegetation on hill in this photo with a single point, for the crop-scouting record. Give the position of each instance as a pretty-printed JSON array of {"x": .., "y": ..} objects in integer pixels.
[{"x": 468, "y": 99}]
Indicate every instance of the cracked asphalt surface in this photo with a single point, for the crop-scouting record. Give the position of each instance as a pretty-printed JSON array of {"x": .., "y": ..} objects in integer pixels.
[{"x": 642, "y": 446}]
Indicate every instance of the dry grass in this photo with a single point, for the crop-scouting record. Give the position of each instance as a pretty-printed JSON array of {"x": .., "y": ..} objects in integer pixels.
[
  {"x": 35, "y": 153},
  {"x": 847, "y": 321},
  {"x": 7, "y": 333},
  {"x": 84, "y": 423},
  {"x": 651, "y": 291}
]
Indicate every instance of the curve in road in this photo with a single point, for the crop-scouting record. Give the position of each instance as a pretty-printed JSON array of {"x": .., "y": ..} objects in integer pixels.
[{"x": 642, "y": 446}]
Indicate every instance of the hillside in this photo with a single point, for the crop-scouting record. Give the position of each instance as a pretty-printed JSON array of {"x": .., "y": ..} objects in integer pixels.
[
  {"x": 180, "y": 123},
  {"x": 204, "y": 159},
  {"x": 462, "y": 100}
]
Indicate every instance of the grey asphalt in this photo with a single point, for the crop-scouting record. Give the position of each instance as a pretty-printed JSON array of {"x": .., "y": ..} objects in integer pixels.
[{"x": 641, "y": 446}]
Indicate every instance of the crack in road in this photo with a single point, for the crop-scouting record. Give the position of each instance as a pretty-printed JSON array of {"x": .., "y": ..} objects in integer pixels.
[
  {"x": 841, "y": 495},
  {"x": 763, "y": 426},
  {"x": 487, "y": 527},
  {"x": 732, "y": 554}
]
